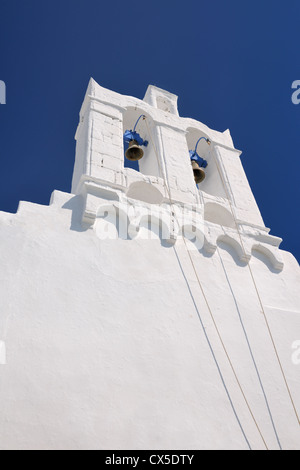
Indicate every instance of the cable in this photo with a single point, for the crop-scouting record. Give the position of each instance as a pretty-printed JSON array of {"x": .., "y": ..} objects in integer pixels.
[
  {"x": 250, "y": 349},
  {"x": 257, "y": 292},
  {"x": 142, "y": 115},
  {"x": 207, "y": 140},
  {"x": 205, "y": 298},
  {"x": 212, "y": 352}
]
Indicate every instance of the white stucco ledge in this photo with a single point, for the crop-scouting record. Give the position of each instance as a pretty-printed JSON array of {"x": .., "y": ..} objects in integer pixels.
[
  {"x": 187, "y": 219},
  {"x": 169, "y": 227}
]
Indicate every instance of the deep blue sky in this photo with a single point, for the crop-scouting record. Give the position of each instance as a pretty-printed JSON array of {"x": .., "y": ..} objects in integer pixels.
[{"x": 231, "y": 63}]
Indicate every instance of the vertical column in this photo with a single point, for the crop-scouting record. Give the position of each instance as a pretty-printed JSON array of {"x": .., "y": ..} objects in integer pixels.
[
  {"x": 237, "y": 185},
  {"x": 151, "y": 164},
  {"x": 99, "y": 148},
  {"x": 177, "y": 161},
  {"x": 82, "y": 138}
]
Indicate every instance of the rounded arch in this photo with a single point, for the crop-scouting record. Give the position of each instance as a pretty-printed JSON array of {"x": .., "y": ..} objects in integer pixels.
[
  {"x": 212, "y": 184},
  {"x": 218, "y": 214},
  {"x": 192, "y": 136},
  {"x": 267, "y": 256},
  {"x": 193, "y": 234},
  {"x": 145, "y": 192},
  {"x": 130, "y": 117},
  {"x": 233, "y": 247},
  {"x": 148, "y": 164}
]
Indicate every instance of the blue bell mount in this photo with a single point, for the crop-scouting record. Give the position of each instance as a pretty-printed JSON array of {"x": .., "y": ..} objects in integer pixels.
[
  {"x": 133, "y": 143},
  {"x": 133, "y": 135},
  {"x": 198, "y": 163},
  {"x": 195, "y": 157}
]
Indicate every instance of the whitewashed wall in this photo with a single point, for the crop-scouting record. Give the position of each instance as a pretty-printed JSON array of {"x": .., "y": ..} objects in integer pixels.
[{"x": 109, "y": 342}]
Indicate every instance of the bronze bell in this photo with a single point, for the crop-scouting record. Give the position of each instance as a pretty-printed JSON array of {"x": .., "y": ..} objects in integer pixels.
[
  {"x": 134, "y": 151},
  {"x": 199, "y": 173}
]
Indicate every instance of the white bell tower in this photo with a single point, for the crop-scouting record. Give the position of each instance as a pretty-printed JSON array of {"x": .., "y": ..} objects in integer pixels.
[{"x": 224, "y": 197}]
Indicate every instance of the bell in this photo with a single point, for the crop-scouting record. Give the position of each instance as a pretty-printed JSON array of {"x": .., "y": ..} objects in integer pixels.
[
  {"x": 199, "y": 173},
  {"x": 134, "y": 151}
]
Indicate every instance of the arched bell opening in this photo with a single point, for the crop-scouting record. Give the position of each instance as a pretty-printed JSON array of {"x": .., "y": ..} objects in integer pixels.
[
  {"x": 206, "y": 171},
  {"x": 139, "y": 139},
  {"x": 198, "y": 145}
]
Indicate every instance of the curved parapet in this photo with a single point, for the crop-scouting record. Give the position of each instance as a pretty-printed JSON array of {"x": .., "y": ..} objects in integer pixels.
[
  {"x": 271, "y": 253},
  {"x": 195, "y": 235},
  {"x": 235, "y": 243},
  {"x": 129, "y": 220}
]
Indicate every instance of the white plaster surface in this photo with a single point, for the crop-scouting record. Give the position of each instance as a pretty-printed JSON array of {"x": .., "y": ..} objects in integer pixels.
[{"x": 109, "y": 341}]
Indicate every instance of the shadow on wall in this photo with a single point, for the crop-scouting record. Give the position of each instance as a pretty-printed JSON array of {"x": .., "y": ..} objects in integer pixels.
[
  {"x": 217, "y": 214},
  {"x": 76, "y": 205},
  {"x": 233, "y": 253},
  {"x": 265, "y": 260}
]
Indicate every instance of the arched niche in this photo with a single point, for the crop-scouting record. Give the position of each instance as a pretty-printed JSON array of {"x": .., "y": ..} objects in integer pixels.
[
  {"x": 148, "y": 165},
  {"x": 212, "y": 184},
  {"x": 266, "y": 256},
  {"x": 217, "y": 214},
  {"x": 234, "y": 248},
  {"x": 144, "y": 192}
]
